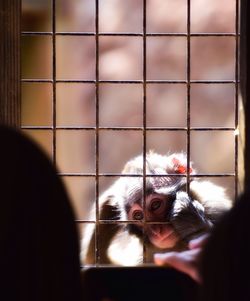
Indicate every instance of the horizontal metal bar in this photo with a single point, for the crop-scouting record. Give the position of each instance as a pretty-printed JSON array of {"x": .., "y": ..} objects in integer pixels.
[
  {"x": 36, "y": 80},
  {"x": 76, "y": 128},
  {"x": 119, "y": 175},
  {"x": 212, "y": 128},
  {"x": 113, "y": 266},
  {"x": 203, "y": 175},
  {"x": 213, "y": 82},
  {"x": 149, "y": 128},
  {"x": 128, "y": 34},
  {"x": 111, "y": 222},
  {"x": 76, "y": 81},
  {"x": 34, "y": 127}
]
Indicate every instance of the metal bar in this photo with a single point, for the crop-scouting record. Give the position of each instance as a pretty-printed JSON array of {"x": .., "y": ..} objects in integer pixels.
[
  {"x": 36, "y": 127},
  {"x": 144, "y": 143},
  {"x": 36, "y": 80},
  {"x": 113, "y": 222},
  {"x": 97, "y": 253},
  {"x": 54, "y": 81},
  {"x": 188, "y": 75},
  {"x": 212, "y": 82},
  {"x": 72, "y": 81},
  {"x": 75, "y": 128},
  {"x": 125, "y": 34},
  {"x": 141, "y": 175}
]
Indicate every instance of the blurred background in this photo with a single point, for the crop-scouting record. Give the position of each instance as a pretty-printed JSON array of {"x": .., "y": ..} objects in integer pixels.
[{"x": 120, "y": 58}]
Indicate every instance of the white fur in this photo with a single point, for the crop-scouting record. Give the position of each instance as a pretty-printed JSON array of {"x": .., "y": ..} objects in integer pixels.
[{"x": 126, "y": 249}]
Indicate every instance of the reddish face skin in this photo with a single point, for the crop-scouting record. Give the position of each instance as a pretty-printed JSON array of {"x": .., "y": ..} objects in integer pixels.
[{"x": 157, "y": 208}]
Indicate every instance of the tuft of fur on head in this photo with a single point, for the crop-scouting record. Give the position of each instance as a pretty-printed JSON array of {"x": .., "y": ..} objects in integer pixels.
[{"x": 156, "y": 163}]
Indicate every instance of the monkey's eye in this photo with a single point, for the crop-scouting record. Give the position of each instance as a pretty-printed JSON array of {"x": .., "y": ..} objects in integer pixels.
[
  {"x": 155, "y": 204},
  {"x": 137, "y": 215}
]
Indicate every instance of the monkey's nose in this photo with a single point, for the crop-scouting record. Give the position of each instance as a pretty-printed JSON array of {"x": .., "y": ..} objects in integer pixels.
[
  {"x": 158, "y": 230},
  {"x": 161, "y": 231}
]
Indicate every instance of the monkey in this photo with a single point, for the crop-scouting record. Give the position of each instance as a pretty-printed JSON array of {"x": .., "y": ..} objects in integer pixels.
[{"x": 163, "y": 213}]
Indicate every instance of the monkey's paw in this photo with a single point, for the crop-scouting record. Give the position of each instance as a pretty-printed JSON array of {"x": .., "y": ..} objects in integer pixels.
[
  {"x": 187, "y": 216},
  {"x": 181, "y": 204}
]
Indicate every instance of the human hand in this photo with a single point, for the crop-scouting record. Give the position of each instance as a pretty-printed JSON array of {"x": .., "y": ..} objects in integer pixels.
[
  {"x": 185, "y": 261},
  {"x": 198, "y": 242}
]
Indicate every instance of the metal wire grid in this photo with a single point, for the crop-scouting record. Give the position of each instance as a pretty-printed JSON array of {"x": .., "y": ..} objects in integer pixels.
[{"x": 144, "y": 82}]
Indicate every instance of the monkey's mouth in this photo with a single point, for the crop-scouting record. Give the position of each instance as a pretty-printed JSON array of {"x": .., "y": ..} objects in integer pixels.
[{"x": 163, "y": 236}]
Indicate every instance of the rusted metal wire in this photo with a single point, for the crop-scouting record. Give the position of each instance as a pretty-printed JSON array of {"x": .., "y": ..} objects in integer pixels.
[
  {"x": 127, "y": 34},
  {"x": 144, "y": 129},
  {"x": 53, "y": 3},
  {"x": 188, "y": 77},
  {"x": 97, "y": 256},
  {"x": 144, "y": 100},
  {"x": 76, "y": 81},
  {"x": 200, "y": 175},
  {"x": 130, "y": 128}
]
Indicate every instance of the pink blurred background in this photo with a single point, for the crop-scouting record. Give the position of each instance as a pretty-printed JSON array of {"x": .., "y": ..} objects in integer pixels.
[{"x": 212, "y": 105}]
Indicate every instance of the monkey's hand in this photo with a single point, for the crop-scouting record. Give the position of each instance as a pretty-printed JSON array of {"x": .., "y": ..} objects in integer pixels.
[{"x": 188, "y": 218}]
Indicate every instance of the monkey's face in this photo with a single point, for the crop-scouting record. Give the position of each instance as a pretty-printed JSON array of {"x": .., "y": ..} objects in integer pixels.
[{"x": 159, "y": 231}]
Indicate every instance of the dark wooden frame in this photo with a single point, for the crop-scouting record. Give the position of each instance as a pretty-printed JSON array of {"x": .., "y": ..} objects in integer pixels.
[
  {"x": 245, "y": 84},
  {"x": 10, "y": 94},
  {"x": 10, "y": 78}
]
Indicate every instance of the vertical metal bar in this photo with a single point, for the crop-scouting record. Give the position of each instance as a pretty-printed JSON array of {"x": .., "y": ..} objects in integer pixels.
[
  {"x": 236, "y": 122},
  {"x": 97, "y": 252},
  {"x": 54, "y": 81},
  {"x": 144, "y": 143},
  {"x": 188, "y": 91}
]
